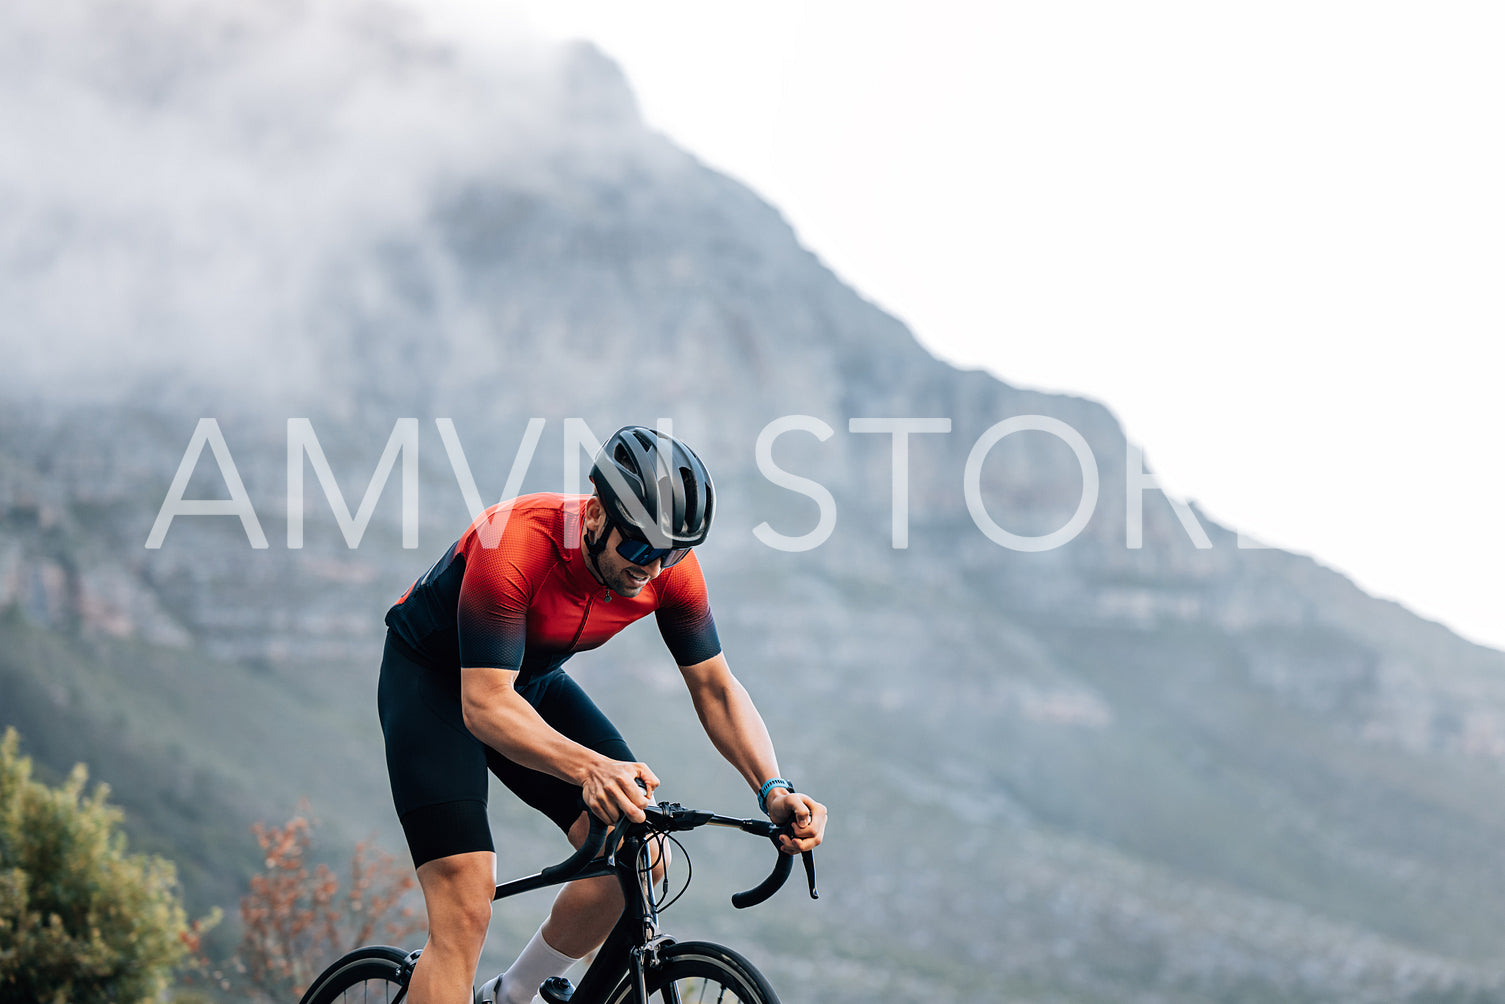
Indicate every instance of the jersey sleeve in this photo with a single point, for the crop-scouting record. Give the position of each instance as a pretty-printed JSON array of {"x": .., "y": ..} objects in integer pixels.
[
  {"x": 498, "y": 586},
  {"x": 684, "y": 614}
]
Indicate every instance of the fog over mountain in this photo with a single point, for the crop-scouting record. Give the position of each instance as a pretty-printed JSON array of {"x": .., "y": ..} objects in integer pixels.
[
  {"x": 182, "y": 185},
  {"x": 1148, "y": 764}
]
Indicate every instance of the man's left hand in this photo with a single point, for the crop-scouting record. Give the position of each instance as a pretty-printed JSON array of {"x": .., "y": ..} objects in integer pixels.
[{"x": 807, "y": 815}]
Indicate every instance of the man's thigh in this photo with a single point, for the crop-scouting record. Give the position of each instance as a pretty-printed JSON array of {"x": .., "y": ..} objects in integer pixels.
[{"x": 436, "y": 768}]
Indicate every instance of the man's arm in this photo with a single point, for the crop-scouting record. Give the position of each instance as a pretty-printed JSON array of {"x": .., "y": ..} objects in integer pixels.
[
  {"x": 737, "y": 731},
  {"x": 497, "y": 715}
]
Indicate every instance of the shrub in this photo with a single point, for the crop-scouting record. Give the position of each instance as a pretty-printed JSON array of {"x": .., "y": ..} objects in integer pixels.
[
  {"x": 297, "y": 920},
  {"x": 80, "y": 918}
]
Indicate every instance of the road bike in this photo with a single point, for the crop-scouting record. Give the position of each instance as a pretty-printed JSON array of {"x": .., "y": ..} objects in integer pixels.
[{"x": 637, "y": 961}]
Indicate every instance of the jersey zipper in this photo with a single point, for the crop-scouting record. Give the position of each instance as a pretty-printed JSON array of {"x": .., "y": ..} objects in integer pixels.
[{"x": 590, "y": 601}]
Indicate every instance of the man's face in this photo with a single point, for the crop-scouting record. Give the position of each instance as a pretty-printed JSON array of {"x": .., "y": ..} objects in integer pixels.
[
  {"x": 620, "y": 575},
  {"x": 617, "y": 573}
]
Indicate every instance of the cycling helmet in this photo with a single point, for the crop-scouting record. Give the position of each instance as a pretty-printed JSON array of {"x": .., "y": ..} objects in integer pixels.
[{"x": 654, "y": 488}]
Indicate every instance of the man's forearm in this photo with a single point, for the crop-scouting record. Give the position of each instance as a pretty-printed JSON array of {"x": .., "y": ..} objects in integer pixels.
[
  {"x": 736, "y": 729},
  {"x": 499, "y": 717}
]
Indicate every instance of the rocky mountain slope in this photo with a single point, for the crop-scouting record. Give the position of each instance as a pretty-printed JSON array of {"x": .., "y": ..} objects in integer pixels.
[{"x": 1094, "y": 772}]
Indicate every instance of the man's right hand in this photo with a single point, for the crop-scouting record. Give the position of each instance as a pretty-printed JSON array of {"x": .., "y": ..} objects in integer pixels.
[{"x": 616, "y": 788}]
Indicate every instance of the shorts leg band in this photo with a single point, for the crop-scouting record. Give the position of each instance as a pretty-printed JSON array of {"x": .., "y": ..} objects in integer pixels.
[{"x": 438, "y": 831}]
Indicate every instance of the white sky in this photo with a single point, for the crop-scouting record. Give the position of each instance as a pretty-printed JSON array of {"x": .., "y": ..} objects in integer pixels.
[{"x": 1271, "y": 237}]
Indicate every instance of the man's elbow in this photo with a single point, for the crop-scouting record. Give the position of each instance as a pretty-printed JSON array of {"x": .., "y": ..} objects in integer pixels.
[
  {"x": 481, "y": 698},
  {"x": 471, "y": 713}
]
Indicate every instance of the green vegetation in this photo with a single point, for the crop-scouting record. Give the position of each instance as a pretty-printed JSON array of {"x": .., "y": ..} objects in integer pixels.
[
  {"x": 80, "y": 917},
  {"x": 195, "y": 749}
]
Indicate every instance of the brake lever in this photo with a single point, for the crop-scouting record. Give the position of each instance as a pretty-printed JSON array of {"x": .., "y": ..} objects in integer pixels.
[
  {"x": 808, "y": 857},
  {"x": 613, "y": 841},
  {"x": 618, "y": 833}
]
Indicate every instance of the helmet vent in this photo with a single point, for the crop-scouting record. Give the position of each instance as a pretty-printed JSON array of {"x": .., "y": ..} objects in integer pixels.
[{"x": 688, "y": 477}]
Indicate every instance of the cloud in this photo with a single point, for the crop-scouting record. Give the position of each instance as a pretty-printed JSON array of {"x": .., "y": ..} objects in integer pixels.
[{"x": 188, "y": 190}]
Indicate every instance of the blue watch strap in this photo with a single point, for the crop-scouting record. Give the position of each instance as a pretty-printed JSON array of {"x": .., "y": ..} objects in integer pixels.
[{"x": 769, "y": 785}]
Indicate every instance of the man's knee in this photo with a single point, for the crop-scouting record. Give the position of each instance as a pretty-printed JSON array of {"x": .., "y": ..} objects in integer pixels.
[
  {"x": 579, "y": 830},
  {"x": 457, "y": 892}
]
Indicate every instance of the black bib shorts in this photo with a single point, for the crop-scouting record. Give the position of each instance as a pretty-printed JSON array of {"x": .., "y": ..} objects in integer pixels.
[{"x": 438, "y": 769}]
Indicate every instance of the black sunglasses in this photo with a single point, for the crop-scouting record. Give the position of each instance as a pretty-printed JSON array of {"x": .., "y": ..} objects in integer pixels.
[{"x": 640, "y": 552}]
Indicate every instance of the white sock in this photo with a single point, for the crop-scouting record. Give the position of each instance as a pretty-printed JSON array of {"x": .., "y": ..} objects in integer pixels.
[{"x": 537, "y": 962}]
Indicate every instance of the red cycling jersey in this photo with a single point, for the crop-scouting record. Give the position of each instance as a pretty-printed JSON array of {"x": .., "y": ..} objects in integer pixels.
[{"x": 514, "y": 592}]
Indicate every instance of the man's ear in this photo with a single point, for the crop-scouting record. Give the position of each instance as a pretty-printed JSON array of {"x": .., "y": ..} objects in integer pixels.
[{"x": 593, "y": 512}]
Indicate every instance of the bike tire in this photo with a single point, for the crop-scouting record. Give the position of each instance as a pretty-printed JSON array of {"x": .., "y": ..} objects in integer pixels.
[
  {"x": 699, "y": 972},
  {"x": 370, "y": 975}
]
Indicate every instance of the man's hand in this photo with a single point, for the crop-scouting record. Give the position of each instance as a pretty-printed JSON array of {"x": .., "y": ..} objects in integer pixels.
[
  {"x": 808, "y": 816},
  {"x": 611, "y": 789}
]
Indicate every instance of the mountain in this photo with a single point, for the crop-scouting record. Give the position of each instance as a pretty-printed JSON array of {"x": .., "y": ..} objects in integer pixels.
[{"x": 1090, "y": 772}]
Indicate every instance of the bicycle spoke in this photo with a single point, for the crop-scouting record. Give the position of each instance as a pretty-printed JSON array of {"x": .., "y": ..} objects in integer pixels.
[
  {"x": 700, "y": 990},
  {"x": 367, "y": 976}
]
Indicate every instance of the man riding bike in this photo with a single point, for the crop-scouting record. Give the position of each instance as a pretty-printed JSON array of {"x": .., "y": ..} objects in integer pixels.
[{"x": 472, "y": 679}]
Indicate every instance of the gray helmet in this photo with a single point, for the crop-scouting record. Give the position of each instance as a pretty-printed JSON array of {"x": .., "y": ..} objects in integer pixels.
[{"x": 654, "y": 488}]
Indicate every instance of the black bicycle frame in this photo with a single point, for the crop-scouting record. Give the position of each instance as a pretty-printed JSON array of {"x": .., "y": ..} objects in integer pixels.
[{"x": 632, "y": 946}]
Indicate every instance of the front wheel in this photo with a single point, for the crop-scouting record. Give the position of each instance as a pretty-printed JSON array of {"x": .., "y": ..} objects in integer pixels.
[
  {"x": 377, "y": 974},
  {"x": 698, "y": 972}
]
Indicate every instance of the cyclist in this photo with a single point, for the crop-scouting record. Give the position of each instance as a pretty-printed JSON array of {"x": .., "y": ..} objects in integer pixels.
[{"x": 472, "y": 678}]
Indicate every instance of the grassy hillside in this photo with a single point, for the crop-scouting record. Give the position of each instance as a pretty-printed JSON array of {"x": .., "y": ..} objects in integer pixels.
[{"x": 194, "y": 749}]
